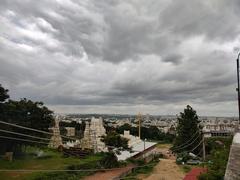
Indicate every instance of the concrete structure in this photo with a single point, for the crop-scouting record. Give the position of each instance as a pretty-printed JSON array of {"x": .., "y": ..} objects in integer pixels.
[
  {"x": 72, "y": 144},
  {"x": 70, "y": 131},
  {"x": 233, "y": 166},
  {"x": 56, "y": 139},
  {"x": 132, "y": 140},
  {"x": 93, "y": 134},
  {"x": 219, "y": 127},
  {"x": 140, "y": 149}
]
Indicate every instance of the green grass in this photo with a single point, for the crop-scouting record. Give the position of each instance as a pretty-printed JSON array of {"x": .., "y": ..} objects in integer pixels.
[
  {"x": 164, "y": 145},
  {"x": 54, "y": 160},
  {"x": 145, "y": 170},
  {"x": 186, "y": 168}
]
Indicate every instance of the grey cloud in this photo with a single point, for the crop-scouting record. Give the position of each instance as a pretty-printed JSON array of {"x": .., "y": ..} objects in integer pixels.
[
  {"x": 215, "y": 19},
  {"x": 108, "y": 53},
  {"x": 173, "y": 58}
]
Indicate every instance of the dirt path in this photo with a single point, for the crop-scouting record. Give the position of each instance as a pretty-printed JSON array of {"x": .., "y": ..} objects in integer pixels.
[
  {"x": 108, "y": 175},
  {"x": 166, "y": 169}
]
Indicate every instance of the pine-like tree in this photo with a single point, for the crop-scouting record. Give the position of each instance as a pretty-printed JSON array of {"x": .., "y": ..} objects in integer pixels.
[{"x": 188, "y": 131}]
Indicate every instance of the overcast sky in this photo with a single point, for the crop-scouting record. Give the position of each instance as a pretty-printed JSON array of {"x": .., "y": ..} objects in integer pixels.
[{"x": 122, "y": 56}]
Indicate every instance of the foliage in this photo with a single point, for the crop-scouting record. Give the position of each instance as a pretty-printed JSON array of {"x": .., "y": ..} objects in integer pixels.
[
  {"x": 142, "y": 169},
  {"x": 25, "y": 113},
  {"x": 109, "y": 160},
  {"x": 57, "y": 161},
  {"x": 215, "y": 143},
  {"x": 186, "y": 168},
  {"x": 79, "y": 128},
  {"x": 151, "y": 133},
  {"x": 115, "y": 140},
  {"x": 218, "y": 158},
  {"x": 182, "y": 157},
  {"x": 3, "y": 94},
  {"x": 188, "y": 126}
]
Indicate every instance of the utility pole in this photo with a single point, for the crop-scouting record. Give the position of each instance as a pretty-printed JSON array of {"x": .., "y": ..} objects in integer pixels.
[
  {"x": 204, "y": 150},
  {"x": 238, "y": 88},
  {"x": 144, "y": 144}
]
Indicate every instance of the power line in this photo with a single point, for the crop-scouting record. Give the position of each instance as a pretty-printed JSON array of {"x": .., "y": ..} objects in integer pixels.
[
  {"x": 21, "y": 134},
  {"x": 187, "y": 141},
  {"x": 187, "y": 144},
  {"x": 69, "y": 170},
  {"x": 197, "y": 145},
  {"x": 36, "y": 130},
  {"x": 21, "y": 139},
  {"x": 26, "y": 135}
]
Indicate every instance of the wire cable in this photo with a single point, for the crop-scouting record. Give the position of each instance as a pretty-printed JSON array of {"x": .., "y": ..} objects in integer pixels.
[
  {"x": 36, "y": 130},
  {"x": 20, "y": 139},
  {"x": 187, "y": 141},
  {"x": 26, "y": 135},
  {"x": 187, "y": 144},
  {"x": 197, "y": 146},
  {"x": 70, "y": 170}
]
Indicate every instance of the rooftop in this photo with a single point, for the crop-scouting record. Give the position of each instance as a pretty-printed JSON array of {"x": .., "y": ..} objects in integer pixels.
[{"x": 137, "y": 148}]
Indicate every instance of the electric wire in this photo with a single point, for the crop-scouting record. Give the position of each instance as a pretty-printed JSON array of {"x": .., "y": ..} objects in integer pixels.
[
  {"x": 174, "y": 149},
  {"x": 36, "y": 130},
  {"x": 70, "y": 170},
  {"x": 187, "y": 141},
  {"x": 197, "y": 145},
  {"x": 21, "y": 139},
  {"x": 26, "y": 135}
]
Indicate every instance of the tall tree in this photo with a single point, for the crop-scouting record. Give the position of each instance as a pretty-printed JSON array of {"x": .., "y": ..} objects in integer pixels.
[
  {"x": 25, "y": 113},
  {"x": 114, "y": 139},
  {"x": 3, "y": 94},
  {"x": 188, "y": 128}
]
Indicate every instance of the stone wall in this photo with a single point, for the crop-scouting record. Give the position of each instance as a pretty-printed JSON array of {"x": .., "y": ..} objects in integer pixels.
[{"x": 233, "y": 166}]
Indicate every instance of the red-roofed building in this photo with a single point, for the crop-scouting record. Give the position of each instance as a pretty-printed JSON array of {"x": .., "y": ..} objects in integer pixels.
[{"x": 194, "y": 173}]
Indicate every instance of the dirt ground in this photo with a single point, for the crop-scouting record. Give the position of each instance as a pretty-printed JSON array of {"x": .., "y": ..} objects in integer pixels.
[
  {"x": 108, "y": 175},
  {"x": 166, "y": 169}
]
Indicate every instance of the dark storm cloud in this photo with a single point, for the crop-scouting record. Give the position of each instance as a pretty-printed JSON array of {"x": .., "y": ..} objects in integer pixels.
[
  {"x": 173, "y": 58},
  {"x": 217, "y": 20},
  {"x": 118, "y": 55}
]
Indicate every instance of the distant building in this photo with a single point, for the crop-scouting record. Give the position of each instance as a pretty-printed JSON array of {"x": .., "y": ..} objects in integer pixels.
[
  {"x": 93, "y": 134},
  {"x": 219, "y": 127},
  {"x": 70, "y": 131}
]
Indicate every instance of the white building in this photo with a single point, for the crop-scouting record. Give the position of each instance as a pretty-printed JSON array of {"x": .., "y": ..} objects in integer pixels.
[
  {"x": 139, "y": 148},
  {"x": 93, "y": 134}
]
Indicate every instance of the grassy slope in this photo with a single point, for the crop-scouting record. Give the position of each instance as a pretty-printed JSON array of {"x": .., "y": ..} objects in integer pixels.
[{"x": 56, "y": 161}]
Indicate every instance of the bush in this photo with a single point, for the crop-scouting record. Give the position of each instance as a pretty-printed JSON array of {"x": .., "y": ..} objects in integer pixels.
[{"x": 109, "y": 160}]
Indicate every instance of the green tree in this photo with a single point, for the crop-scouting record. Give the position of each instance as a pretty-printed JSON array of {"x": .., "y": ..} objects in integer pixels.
[
  {"x": 25, "y": 113},
  {"x": 188, "y": 126},
  {"x": 3, "y": 94},
  {"x": 114, "y": 139},
  {"x": 150, "y": 133},
  {"x": 217, "y": 149}
]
